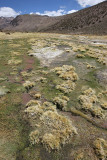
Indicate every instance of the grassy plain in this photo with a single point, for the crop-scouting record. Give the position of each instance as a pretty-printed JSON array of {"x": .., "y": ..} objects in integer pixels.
[{"x": 17, "y": 56}]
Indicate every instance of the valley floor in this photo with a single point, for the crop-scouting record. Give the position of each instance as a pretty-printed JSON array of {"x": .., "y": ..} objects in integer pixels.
[{"x": 53, "y": 97}]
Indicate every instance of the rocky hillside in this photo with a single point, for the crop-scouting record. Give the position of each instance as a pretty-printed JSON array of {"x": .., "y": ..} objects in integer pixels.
[
  {"x": 92, "y": 20},
  {"x": 31, "y": 23},
  {"x": 4, "y": 21},
  {"x": 89, "y": 20}
]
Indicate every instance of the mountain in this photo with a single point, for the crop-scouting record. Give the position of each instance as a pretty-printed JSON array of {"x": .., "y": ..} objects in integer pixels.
[
  {"x": 4, "y": 21},
  {"x": 92, "y": 20},
  {"x": 30, "y": 23}
]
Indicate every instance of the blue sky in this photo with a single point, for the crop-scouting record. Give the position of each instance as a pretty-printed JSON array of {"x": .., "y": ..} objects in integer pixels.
[{"x": 43, "y": 7}]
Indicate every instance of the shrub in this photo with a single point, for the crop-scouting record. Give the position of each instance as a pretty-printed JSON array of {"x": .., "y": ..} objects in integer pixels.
[
  {"x": 89, "y": 102},
  {"x": 104, "y": 105},
  {"x": 32, "y": 103},
  {"x": 25, "y": 74},
  {"x": 52, "y": 129},
  {"x": 43, "y": 80},
  {"x": 58, "y": 125},
  {"x": 100, "y": 146},
  {"x": 34, "y": 137},
  {"x": 80, "y": 56},
  {"x": 37, "y": 96},
  {"x": 14, "y": 61},
  {"x": 68, "y": 74},
  {"x": 51, "y": 142},
  {"x": 61, "y": 102},
  {"x": 49, "y": 106},
  {"x": 34, "y": 111},
  {"x": 90, "y": 66},
  {"x": 66, "y": 87},
  {"x": 28, "y": 84}
]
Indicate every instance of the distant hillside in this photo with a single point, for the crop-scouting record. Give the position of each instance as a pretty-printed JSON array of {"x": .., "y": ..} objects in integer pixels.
[
  {"x": 92, "y": 20},
  {"x": 4, "y": 21},
  {"x": 26, "y": 23}
]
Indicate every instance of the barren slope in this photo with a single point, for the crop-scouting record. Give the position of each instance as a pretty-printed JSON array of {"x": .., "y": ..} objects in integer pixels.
[
  {"x": 4, "y": 21},
  {"x": 29, "y": 23},
  {"x": 92, "y": 20},
  {"x": 89, "y": 20}
]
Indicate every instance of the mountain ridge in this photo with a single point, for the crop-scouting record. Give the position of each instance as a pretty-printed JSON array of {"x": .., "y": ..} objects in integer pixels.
[{"x": 92, "y": 20}]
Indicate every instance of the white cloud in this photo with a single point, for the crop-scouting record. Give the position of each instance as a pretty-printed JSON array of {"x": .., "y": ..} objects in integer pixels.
[
  {"x": 8, "y": 12},
  {"x": 72, "y": 11},
  {"x": 85, "y": 3},
  {"x": 59, "y": 12},
  {"x": 62, "y": 7}
]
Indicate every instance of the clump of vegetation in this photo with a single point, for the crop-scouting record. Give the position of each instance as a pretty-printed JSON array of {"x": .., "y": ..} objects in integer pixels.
[
  {"x": 34, "y": 112},
  {"x": 101, "y": 60},
  {"x": 32, "y": 103},
  {"x": 66, "y": 86},
  {"x": 44, "y": 72},
  {"x": 100, "y": 146},
  {"x": 4, "y": 90},
  {"x": 59, "y": 126},
  {"x": 52, "y": 129},
  {"x": 104, "y": 105},
  {"x": 61, "y": 102},
  {"x": 89, "y": 102},
  {"x": 49, "y": 106},
  {"x": 43, "y": 80},
  {"x": 92, "y": 52},
  {"x": 79, "y": 156},
  {"x": 25, "y": 74},
  {"x": 16, "y": 53},
  {"x": 75, "y": 49},
  {"x": 89, "y": 66},
  {"x": 100, "y": 57},
  {"x": 101, "y": 94},
  {"x": 68, "y": 74},
  {"x": 79, "y": 48},
  {"x": 67, "y": 50},
  {"x": 51, "y": 141},
  {"x": 34, "y": 137},
  {"x": 104, "y": 92},
  {"x": 80, "y": 56},
  {"x": 13, "y": 73},
  {"x": 37, "y": 96},
  {"x": 3, "y": 79},
  {"x": 14, "y": 61},
  {"x": 28, "y": 84}
]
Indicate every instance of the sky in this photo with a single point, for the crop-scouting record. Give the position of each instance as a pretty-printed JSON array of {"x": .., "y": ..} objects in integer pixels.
[{"x": 12, "y": 8}]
